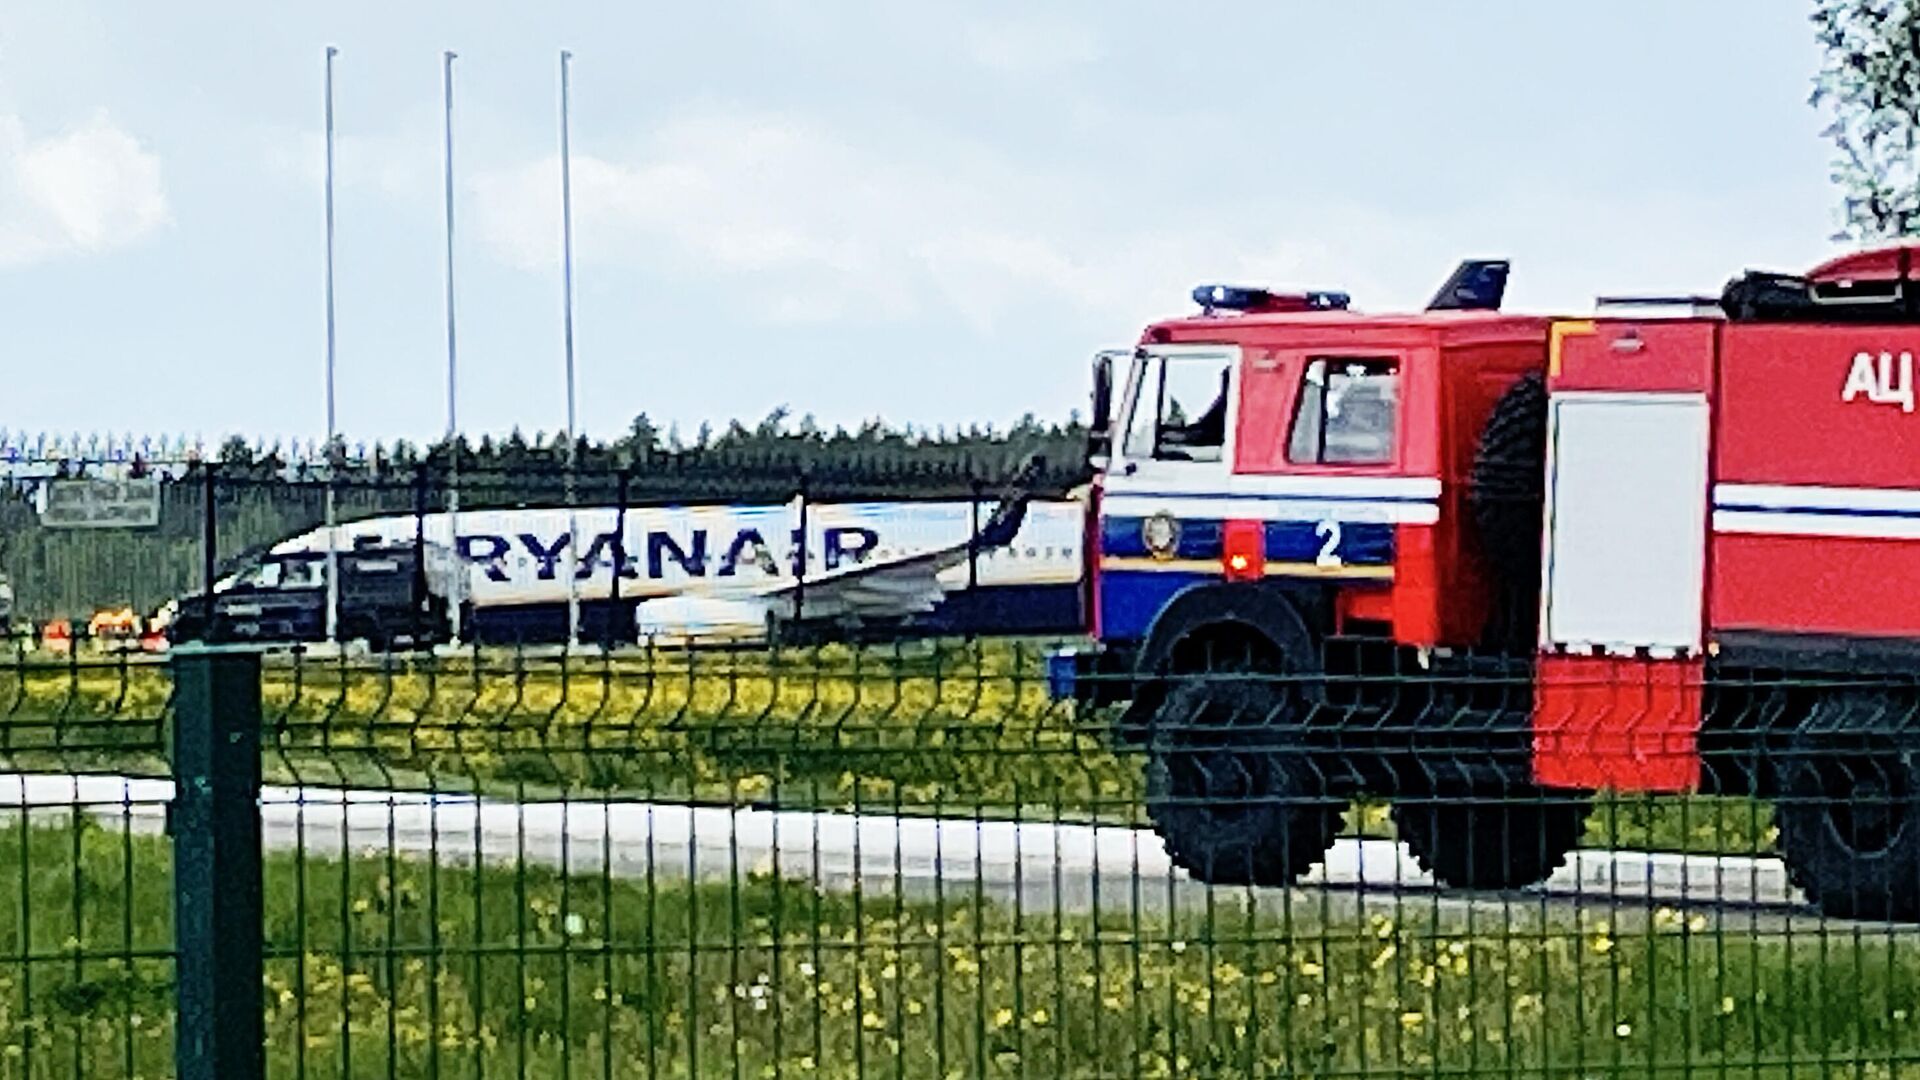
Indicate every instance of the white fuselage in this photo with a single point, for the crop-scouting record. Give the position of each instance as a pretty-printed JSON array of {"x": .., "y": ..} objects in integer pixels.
[{"x": 523, "y": 557}]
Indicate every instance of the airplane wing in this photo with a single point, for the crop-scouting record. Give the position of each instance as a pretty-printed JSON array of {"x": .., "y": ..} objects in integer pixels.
[
  {"x": 878, "y": 589},
  {"x": 883, "y": 589},
  {"x": 889, "y": 588}
]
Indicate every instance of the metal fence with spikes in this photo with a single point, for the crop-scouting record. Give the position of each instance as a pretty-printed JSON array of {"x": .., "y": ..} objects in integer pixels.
[{"x": 70, "y": 574}]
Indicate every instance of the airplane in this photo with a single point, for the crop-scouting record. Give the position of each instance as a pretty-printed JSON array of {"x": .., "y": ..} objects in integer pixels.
[{"x": 732, "y": 573}]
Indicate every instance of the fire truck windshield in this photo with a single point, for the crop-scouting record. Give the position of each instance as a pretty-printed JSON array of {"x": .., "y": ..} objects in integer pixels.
[{"x": 1176, "y": 407}]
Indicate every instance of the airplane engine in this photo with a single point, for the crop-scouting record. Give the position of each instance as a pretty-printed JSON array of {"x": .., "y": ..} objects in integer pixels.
[{"x": 672, "y": 619}]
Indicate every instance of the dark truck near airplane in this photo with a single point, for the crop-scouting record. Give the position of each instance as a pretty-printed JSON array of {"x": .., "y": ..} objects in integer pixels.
[{"x": 389, "y": 596}]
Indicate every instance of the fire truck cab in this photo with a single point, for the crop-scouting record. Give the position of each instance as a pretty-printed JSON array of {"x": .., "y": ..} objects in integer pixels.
[
  {"x": 1484, "y": 565},
  {"x": 1321, "y": 451}
]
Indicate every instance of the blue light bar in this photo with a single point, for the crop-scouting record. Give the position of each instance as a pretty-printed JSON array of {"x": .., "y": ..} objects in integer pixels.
[{"x": 1241, "y": 298}]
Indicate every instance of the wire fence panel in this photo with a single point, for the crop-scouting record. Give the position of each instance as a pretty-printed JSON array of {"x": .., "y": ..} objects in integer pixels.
[
  {"x": 911, "y": 862},
  {"x": 916, "y": 853},
  {"x": 86, "y": 928}
]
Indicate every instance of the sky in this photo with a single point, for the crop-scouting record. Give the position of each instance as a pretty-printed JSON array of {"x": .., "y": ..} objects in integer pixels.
[{"x": 928, "y": 213}]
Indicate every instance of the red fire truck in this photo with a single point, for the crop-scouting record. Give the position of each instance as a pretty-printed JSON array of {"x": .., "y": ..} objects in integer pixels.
[{"x": 1485, "y": 565}]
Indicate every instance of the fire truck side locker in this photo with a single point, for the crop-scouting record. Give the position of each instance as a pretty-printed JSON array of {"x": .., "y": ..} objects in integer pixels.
[
  {"x": 1624, "y": 565},
  {"x": 1817, "y": 497}
]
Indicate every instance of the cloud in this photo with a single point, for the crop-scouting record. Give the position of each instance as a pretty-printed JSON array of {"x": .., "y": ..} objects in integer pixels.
[
  {"x": 1030, "y": 43},
  {"x": 792, "y": 220},
  {"x": 404, "y": 163},
  {"x": 90, "y": 189},
  {"x": 801, "y": 222}
]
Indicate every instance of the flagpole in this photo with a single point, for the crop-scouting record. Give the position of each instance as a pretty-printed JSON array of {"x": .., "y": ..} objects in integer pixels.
[
  {"x": 453, "y": 416},
  {"x": 333, "y": 555},
  {"x": 573, "y": 429}
]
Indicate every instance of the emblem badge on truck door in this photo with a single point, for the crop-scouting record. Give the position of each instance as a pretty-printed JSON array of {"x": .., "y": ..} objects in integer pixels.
[{"x": 1161, "y": 534}]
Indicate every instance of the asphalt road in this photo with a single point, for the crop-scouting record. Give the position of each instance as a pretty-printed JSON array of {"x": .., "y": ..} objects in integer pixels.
[{"x": 1036, "y": 865}]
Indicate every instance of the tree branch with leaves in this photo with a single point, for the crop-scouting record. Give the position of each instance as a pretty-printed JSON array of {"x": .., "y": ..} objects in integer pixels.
[{"x": 1870, "y": 81}]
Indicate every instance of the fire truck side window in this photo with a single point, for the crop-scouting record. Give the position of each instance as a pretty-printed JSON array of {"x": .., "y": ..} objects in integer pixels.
[
  {"x": 1192, "y": 414},
  {"x": 1347, "y": 412}
]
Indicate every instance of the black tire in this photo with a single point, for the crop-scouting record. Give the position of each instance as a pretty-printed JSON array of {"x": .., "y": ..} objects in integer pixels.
[
  {"x": 185, "y": 628},
  {"x": 1505, "y": 843},
  {"x": 1506, "y": 486},
  {"x": 1232, "y": 803},
  {"x": 1848, "y": 809},
  {"x": 1506, "y": 493}
]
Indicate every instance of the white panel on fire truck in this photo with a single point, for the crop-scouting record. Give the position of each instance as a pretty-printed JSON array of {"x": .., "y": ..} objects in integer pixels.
[{"x": 1626, "y": 521}]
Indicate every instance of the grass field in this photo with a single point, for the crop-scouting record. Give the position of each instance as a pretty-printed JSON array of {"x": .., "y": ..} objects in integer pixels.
[
  {"x": 914, "y": 731},
  {"x": 384, "y": 967}
]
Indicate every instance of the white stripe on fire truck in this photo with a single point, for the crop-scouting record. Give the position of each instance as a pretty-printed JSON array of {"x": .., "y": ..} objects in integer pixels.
[
  {"x": 1809, "y": 510},
  {"x": 1193, "y": 507},
  {"x": 1222, "y": 485},
  {"x": 1809, "y": 499},
  {"x": 1783, "y": 523}
]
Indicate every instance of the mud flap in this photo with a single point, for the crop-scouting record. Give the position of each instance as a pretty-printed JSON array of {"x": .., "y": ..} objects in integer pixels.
[{"x": 1624, "y": 723}]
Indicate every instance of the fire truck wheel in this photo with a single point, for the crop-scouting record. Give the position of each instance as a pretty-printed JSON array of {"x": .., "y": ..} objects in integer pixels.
[
  {"x": 1517, "y": 840},
  {"x": 1233, "y": 805},
  {"x": 1506, "y": 486},
  {"x": 1849, "y": 812}
]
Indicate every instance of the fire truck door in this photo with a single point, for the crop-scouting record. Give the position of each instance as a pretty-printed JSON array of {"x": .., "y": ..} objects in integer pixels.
[{"x": 1161, "y": 504}]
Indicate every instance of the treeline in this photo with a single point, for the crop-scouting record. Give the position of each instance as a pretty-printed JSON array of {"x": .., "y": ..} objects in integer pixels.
[
  {"x": 260, "y": 496},
  {"x": 777, "y": 442}
]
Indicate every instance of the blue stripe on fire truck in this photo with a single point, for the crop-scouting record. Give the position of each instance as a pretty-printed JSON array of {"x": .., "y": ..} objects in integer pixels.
[
  {"x": 1342, "y": 530},
  {"x": 1130, "y": 600},
  {"x": 1355, "y": 543}
]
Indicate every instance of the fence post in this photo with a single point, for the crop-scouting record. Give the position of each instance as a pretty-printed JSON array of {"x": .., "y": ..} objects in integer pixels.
[
  {"x": 976, "y": 491},
  {"x": 218, "y": 915},
  {"x": 209, "y": 541},
  {"x": 618, "y": 625},
  {"x": 803, "y": 478},
  {"x": 419, "y": 585}
]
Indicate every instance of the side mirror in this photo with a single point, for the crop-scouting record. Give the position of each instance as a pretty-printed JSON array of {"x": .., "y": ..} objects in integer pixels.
[{"x": 1099, "y": 436}]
